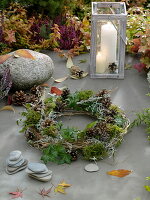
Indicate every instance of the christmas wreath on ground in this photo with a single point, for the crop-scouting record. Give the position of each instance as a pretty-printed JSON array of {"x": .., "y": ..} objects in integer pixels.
[{"x": 97, "y": 140}]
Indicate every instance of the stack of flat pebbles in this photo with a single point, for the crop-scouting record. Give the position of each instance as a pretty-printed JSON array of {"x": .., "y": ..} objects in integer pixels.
[
  {"x": 15, "y": 162},
  {"x": 39, "y": 171}
]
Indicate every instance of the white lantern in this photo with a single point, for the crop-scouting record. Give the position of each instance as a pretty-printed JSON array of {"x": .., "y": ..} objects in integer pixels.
[{"x": 108, "y": 38}]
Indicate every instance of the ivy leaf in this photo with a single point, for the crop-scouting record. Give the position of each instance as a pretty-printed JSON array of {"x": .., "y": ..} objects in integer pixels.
[
  {"x": 119, "y": 173},
  {"x": 56, "y": 153}
]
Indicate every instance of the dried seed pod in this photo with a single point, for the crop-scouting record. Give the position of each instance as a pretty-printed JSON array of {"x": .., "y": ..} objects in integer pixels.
[
  {"x": 19, "y": 98},
  {"x": 65, "y": 93},
  {"x": 74, "y": 155}
]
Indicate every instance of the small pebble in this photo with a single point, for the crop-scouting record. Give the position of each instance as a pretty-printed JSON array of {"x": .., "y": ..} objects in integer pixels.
[{"x": 91, "y": 167}]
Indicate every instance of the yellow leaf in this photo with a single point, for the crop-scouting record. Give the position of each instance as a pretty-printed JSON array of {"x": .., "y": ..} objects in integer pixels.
[
  {"x": 60, "y": 189},
  {"x": 74, "y": 77},
  {"x": 84, "y": 74},
  {"x": 24, "y": 53},
  {"x": 8, "y": 108},
  {"x": 119, "y": 173},
  {"x": 86, "y": 22},
  {"x": 69, "y": 63},
  {"x": 3, "y": 58},
  {"x": 64, "y": 184},
  {"x": 60, "y": 79}
]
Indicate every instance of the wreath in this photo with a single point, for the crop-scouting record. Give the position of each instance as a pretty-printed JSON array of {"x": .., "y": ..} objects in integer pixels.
[{"x": 59, "y": 144}]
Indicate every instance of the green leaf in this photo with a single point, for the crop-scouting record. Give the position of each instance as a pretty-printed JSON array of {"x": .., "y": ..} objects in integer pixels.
[
  {"x": 147, "y": 187},
  {"x": 83, "y": 61},
  {"x": 147, "y": 178},
  {"x": 91, "y": 125},
  {"x": 56, "y": 153}
]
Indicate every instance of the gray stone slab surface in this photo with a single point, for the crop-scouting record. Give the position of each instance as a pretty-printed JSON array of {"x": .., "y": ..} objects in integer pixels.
[
  {"x": 14, "y": 155},
  {"x": 133, "y": 154}
]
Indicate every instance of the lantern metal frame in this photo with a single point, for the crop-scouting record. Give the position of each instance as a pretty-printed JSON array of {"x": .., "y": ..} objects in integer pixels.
[{"x": 120, "y": 15}]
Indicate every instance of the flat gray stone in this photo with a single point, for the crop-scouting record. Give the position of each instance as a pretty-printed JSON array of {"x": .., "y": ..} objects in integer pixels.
[
  {"x": 40, "y": 175},
  {"x": 14, "y": 170},
  {"x": 19, "y": 163},
  {"x": 91, "y": 168},
  {"x": 14, "y": 155},
  {"x": 31, "y": 172},
  {"x": 37, "y": 167},
  {"x": 11, "y": 163},
  {"x": 43, "y": 179},
  {"x": 27, "y": 72}
]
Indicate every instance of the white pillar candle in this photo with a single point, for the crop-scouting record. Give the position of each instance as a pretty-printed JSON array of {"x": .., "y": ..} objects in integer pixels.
[
  {"x": 101, "y": 64},
  {"x": 109, "y": 42}
]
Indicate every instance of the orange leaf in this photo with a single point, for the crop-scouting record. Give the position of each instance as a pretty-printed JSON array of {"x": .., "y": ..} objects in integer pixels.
[
  {"x": 24, "y": 53},
  {"x": 137, "y": 41},
  {"x": 10, "y": 36},
  {"x": 119, "y": 173},
  {"x": 44, "y": 85},
  {"x": 3, "y": 58},
  {"x": 55, "y": 90}
]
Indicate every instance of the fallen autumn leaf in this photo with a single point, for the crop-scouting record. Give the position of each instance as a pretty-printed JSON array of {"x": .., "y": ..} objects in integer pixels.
[
  {"x": 60, "y": 79},
  {"x": 8, "y": 108},
  {"x": 69, "y": 63},
  {"x": 24, "y": 53},
  {"x": 55, "y": 90},
  {"x": 119, "y": 173},
  {"x": 3, "y": 58}
]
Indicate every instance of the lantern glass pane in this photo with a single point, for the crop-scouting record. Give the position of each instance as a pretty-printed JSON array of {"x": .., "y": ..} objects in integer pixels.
[{"x": 107, "y": 47}]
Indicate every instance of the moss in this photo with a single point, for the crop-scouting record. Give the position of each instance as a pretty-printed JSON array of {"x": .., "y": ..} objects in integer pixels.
[
  {"x": 84, "y": 95},
  {"x": 49, "y": 107},
  {"x": 115, "y": 108},
  {"x": 50, "y": 131},
  {"x": 95, "y": 150},
  {"x": 114, "y": 131},
  {"x": 32, "y": 117}
]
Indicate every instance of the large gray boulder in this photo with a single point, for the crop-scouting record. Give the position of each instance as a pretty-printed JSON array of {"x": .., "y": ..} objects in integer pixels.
[{"x": 27, "y": 72}]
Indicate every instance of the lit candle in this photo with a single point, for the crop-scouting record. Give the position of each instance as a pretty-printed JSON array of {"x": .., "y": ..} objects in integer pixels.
[
  {"x": 101, "y": 64},
  {"x": 109, "y": 42}
]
